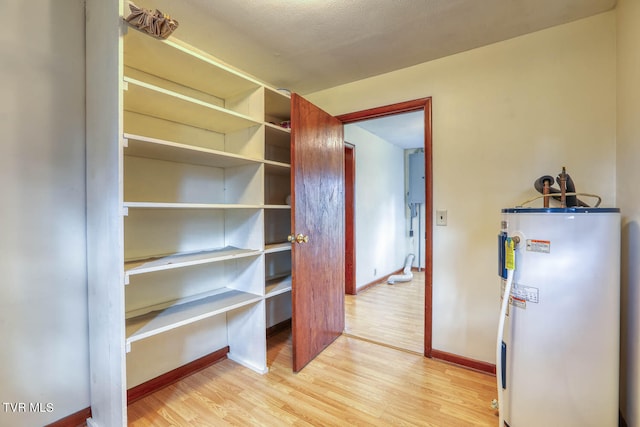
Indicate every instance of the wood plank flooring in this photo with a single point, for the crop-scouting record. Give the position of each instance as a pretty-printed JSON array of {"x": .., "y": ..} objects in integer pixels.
[
  {"x": 352, "y": 383},
  {"x": 392, "y": 315}
]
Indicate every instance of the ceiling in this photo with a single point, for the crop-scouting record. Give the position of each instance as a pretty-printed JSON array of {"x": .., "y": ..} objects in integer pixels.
[
  {"x": 404, "y": 130},
  {"x": 310, "y": 45}
]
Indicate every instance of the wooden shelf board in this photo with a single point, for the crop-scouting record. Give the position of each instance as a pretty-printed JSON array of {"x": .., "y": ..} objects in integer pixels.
[
  {"x": 179, "y": 62},
  {"x": 277, "y": 130},
  {"x": 277, "y": 286},
  {"x": 277, "y": 168},
  {"x": 185, "y": 259},
  {"x": 181, "y": 314},
  {"x": 167, "y": 205},
  {"x": 284, "y": 207},
  {"x": 152, "y": 148},
  {"x": 157, "y": 102},
  {"x": 277, "y": 247}
]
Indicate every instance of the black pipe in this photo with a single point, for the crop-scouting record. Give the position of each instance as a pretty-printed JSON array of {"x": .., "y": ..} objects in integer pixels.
[{"x": 572, "y": 201}]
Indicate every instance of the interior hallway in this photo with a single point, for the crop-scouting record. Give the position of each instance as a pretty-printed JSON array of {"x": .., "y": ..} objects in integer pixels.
[{"x": 392, "y": 315}]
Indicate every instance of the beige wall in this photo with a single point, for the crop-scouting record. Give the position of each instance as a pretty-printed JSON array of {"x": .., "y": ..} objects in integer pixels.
[
  {"x": 503, "y": 115},
  {"x": 628, "y": 179}
]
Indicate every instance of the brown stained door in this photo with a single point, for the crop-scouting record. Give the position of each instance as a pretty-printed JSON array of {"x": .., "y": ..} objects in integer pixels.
[{"x": 317, "y": 203}]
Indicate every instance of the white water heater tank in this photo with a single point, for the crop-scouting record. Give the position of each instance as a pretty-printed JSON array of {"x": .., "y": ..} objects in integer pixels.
[{"x": 561, "y": 340}]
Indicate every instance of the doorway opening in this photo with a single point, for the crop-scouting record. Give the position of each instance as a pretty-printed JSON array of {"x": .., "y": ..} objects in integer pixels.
[{"x": 426, "y": 239}]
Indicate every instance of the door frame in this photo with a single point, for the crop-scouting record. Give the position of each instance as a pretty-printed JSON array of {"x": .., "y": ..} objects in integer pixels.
[
  {"x": 405, "y": 107},
  {"x": 349, "y": 223}
]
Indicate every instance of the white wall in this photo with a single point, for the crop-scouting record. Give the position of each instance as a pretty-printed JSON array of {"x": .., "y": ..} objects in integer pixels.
[
  {"x": 43, "y": 288},
  {"x": 503, "y": 115},
  {"x": 381, "y": 241},
  {"x": 628, "y": 177}
]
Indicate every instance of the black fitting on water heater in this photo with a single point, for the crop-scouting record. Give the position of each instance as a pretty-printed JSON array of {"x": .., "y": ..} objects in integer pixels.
[
  {"x": 539, "y": 183},
  {"x": 571, "y": 201}
]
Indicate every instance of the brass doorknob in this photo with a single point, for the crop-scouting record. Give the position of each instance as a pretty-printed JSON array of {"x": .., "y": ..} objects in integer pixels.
[{"x": 300, "y": 238}]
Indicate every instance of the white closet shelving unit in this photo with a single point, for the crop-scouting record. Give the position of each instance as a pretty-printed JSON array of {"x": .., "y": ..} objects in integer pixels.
[
  {"x": 278, "y": 214},
  {"x": 188, "y": 243}
]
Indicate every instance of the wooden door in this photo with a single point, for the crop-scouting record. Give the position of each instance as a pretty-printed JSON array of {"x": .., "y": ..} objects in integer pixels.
[{"x": 317, "y": 203}]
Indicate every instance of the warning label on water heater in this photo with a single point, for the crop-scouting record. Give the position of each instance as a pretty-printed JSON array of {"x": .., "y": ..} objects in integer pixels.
[
  {"x": 521, "y": 294},
  {"x": 526, "y": 293},
  {"x": 543, "y": 246}
]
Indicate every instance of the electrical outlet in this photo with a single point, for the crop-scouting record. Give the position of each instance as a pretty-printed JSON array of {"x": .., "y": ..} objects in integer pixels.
[
  {"x": 441, "y": 217},
  {"x": 375, "y": 272}
]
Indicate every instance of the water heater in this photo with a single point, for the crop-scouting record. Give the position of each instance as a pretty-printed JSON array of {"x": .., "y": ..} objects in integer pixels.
[
  {"x": 416, "y": 178},
  {"x": 559, "y": 354}
]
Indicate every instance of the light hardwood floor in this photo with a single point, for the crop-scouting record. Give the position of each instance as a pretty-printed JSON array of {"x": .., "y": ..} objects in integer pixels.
[
  {"x": 389, "y": 314},
  {"x": 352, "y": 383}
]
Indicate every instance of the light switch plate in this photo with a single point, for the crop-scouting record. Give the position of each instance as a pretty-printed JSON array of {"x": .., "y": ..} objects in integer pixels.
[{"x": 441, "y": 217}]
